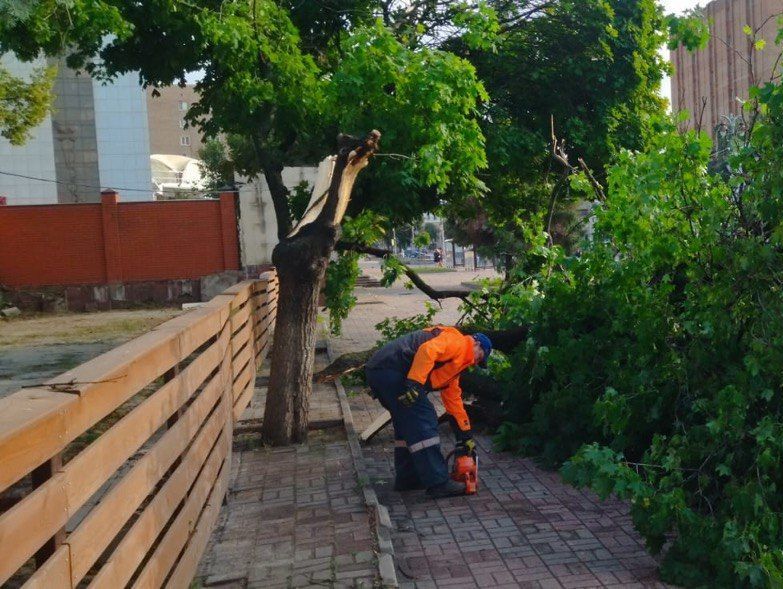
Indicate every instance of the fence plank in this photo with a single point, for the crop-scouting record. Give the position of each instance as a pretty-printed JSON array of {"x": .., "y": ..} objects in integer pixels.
[
  {"x": 241, "y": 338},
  {"x": 131, "y": 550},
  {"x": 105, "y": 521},
  {"x": 239, "y": 318},
  {"x": 48, "y": 508},
  {"x": 244, "y": 400},
  {"x": 241, "y": 361},
  {"x": 36, "y": 424},
  {"x": 192, "y": 458},
  {"x": 241, "y": 381},
  {"x": 40, "y": 476},
  {"x": 165, "y": 555},
  {"x": 186, "y": 567},
  {"x": 262, "y": 344}
]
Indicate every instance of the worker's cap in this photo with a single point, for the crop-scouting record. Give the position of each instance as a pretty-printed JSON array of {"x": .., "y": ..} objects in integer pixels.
[{"x": 486, "y": 345}]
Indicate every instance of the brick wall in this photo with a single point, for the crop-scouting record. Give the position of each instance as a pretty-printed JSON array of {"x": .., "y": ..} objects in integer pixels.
[{"x": 113, "y": 242}]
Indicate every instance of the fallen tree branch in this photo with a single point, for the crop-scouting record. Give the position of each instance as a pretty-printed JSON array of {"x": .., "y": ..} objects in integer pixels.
[
  {"x": 344, "y": 364},
  {"x": 434, "y": 294}
]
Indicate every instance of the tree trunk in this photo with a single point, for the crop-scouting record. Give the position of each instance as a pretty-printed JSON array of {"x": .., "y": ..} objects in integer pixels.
[
  {"x": 277, "y": 189},
  {"x": 301, "y": 258},
  {"x": 301, "y": 266}
]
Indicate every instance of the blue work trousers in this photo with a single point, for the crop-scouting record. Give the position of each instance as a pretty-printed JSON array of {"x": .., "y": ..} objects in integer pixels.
[{"x": 417, "y": 454}]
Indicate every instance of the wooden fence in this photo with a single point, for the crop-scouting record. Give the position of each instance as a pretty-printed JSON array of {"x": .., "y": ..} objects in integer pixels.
[{"x": 113, "y": 474}]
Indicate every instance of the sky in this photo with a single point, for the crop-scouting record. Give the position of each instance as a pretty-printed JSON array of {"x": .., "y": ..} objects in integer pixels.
[{"x": 677, "y": 7}]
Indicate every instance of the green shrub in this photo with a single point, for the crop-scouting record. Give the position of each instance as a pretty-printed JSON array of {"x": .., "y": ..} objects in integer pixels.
[
  {"x": 394, "y": 327},
  {"x": 654, "y": 364}
]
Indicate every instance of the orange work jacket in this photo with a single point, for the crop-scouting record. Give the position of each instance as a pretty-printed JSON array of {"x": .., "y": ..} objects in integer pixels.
[{"x": 439, "y": 362}]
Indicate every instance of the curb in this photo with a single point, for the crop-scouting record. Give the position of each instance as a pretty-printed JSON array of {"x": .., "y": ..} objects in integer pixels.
[{"x": 379, "y": 513}]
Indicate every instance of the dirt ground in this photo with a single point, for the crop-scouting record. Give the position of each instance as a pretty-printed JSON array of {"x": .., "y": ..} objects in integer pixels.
[{"x": 34, "y": 349}]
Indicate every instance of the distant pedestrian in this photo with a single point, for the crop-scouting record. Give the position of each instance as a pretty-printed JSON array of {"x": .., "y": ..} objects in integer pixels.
[{"x": 438, "y": 257}]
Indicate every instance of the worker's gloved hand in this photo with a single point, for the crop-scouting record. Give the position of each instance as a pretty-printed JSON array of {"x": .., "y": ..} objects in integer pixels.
[
  {"x": 466, "y": 445},
  {"x": 411, "y": 394}
]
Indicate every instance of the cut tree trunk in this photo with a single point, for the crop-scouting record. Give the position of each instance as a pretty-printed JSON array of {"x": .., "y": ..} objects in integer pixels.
[{"x": 301, "y": 259}]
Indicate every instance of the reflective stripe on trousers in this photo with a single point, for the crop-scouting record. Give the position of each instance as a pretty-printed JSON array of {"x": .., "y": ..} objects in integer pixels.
[
  {"x": 418, "y": 446},
  {"x": 417, "y": 425}
]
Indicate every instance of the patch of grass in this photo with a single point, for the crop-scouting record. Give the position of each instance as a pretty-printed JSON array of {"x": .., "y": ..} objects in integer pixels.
[
  {"x": 248, "y": 441},
  {"x": 432, "y": 269},
  {"x": 82, "y": 327},
  {"x": 362, "y": 482}
]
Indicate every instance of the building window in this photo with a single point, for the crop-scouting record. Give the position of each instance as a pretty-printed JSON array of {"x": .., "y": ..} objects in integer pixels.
[
  {"x": 184, "y": 140},
  {"x": 183, "y": 106}
]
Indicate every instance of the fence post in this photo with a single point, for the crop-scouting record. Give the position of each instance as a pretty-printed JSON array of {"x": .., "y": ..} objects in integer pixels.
[
  {"x": 229, "y": 231},
  {"x": 111, "y": 235},
  {"x": 39, "y": 476}
]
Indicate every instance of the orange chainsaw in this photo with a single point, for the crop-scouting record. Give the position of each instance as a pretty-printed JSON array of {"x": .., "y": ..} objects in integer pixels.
[{"x": 465, "y": 470}]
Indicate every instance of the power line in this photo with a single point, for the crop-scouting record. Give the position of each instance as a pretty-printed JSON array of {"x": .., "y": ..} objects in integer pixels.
[{"x": 76, "y": 184}]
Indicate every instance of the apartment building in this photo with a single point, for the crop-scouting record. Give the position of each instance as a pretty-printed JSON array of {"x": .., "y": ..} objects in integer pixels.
[{"x": 169, "y": 134}]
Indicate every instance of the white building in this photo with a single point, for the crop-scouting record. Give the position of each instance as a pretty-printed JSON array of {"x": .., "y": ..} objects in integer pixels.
[{"x": 96, "y": 137}]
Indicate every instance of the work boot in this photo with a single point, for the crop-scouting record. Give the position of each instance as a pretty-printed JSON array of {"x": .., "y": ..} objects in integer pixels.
[{"x": 448, "y": 489}]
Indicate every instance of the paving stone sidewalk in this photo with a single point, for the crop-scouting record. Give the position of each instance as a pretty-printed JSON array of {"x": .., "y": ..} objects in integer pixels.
[
  {"x": 525, "y": 528},
  {"x": 294, "y": 516}
]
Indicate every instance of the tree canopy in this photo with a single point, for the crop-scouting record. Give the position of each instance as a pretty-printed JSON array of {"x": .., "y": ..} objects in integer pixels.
[
  {"x": 24, "y": 102},
  {"x": 592, "y": 68}
]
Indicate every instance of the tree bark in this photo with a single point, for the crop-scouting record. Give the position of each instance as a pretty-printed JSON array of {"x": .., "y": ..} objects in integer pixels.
[
  {"x": 301, "y": 266},
  {"x": 301, "y": 260},
  {"x": 277, "y": 189}
]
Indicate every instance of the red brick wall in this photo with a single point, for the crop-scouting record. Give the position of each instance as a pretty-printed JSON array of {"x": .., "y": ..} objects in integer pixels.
[{"x": 116, "y": 242}]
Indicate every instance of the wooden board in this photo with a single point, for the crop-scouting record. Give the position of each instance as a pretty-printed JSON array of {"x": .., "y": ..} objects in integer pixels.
[
  {"x": 36, "y": 424},
  {"x": 247, "y": 375},
  {"x": 239, "y": 318},
  {"x": 50, "y": 506},
  {"x": 105, "y": 521},
  {"x": 242, "y": 362},
  {"x": 185, "y": 570},
  {"x": 177, "y": 535},
  {"x": 54, "y": 573},
  {"x": 136, "y": 543},
  {"x": 239, "y": 339}
]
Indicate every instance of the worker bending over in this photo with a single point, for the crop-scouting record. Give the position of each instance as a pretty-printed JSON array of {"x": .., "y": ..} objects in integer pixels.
[{"x": 400, "y": 375}]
